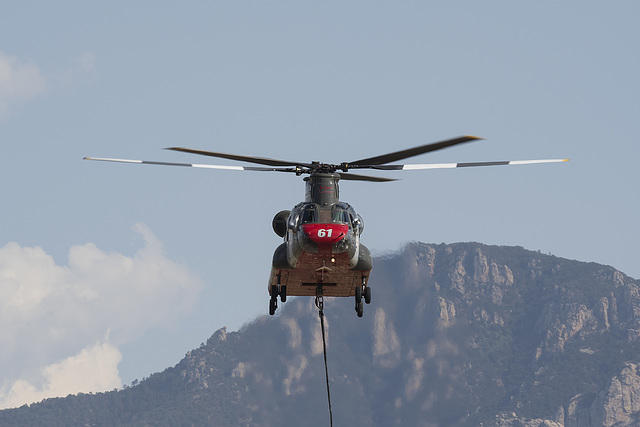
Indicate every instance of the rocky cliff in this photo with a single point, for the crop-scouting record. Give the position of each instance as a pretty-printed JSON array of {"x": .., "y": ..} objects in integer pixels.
[{"x": 456, "y": 335}]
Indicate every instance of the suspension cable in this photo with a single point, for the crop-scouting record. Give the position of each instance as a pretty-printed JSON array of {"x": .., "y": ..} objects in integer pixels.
[{"x": 320, "y": 305}]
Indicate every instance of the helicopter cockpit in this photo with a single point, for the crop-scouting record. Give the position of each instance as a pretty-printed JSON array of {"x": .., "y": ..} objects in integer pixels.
[{"x": 339, "y": 213}]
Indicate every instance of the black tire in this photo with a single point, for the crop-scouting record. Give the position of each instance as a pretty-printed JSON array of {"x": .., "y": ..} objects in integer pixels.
[
  {"x": 358, "y": 294},
  {"x": 272, "y": 307},
  {"x": 274, "y": 292},
  {"x": 283, "y": 293},
  {"x": 360, "y": 309},
  {"x": 367, "y": 295}
]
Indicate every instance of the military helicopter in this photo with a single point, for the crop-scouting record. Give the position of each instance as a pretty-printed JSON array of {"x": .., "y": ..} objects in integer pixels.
[{"x": 321, "y": 254}]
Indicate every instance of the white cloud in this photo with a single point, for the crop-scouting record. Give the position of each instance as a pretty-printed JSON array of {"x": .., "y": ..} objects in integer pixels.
[
  {"x": 19, "y": 82},
  {"x": 93, "y": 369},
  {"x": 52, "y": 316}
]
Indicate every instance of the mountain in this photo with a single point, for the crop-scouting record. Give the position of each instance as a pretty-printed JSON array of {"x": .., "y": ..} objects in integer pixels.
[{"x": 456, "y": 335}]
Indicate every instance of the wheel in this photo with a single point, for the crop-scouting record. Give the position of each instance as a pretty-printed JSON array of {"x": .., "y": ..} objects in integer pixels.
[
  {"x": 283, "y": 293},
  {"x": 367, "y": 295},
  {"x": 272, "y": 307},
  {"x": 360, "y": 309},
  {"x": 274, "y": 292},
  {"x": 358, "y": 294}
]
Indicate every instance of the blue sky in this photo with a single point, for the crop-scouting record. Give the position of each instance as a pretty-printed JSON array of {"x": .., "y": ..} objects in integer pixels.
[{"x": 121, "y": 269}]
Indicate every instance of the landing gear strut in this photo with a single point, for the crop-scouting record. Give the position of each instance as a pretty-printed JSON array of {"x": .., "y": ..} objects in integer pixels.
[
  {"x": 276, "y": 290},
  {"x": 362, "y": 290}
]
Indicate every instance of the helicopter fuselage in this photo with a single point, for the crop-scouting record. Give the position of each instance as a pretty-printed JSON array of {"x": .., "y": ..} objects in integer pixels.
[{"x": 321, "y": 251}]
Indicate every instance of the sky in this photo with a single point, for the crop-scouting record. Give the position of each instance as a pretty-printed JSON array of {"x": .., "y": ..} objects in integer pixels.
[{"x": 110, "y": 272}]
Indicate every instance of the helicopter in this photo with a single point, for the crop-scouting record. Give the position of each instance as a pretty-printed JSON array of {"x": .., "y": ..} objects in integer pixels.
[{"x": 321, "y": 253}]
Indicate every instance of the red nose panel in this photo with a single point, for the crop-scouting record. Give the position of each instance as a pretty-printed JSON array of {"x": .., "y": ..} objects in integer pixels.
[{"x": 325, "y": 234}]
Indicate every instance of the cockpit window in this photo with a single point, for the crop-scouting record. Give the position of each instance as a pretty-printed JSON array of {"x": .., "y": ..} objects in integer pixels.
[
  {"x": 339, "y": 215},
  {"x": 309, "y": 215}
]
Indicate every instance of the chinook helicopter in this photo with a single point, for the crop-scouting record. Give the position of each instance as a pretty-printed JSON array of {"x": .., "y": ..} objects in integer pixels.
[{"x": 321, "y": 254}]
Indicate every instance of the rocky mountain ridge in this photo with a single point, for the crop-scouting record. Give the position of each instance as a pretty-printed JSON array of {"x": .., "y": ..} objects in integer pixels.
[{"x": 456, "y": 335}]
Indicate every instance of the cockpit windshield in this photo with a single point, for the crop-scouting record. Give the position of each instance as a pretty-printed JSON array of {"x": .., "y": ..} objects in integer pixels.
[
  {"x": 309, "y": 214},
  {"x": 339, "y": 215}
]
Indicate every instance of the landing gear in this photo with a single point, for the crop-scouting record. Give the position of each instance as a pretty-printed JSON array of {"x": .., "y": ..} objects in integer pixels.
[
  {"x": 359, "y": 308},
  {"x": 362, "y": 290},
  {"x": 275, "y": 291}
]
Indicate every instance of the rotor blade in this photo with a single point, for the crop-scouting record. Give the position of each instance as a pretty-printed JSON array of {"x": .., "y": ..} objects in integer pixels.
[
  {"x": 464, "y": 165},
  {"x": 399, "y": 155},
  {"x": 240, "y": 158},
  {"x": 356, "y": 177},
  {"x": 193, "y": 165}
]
